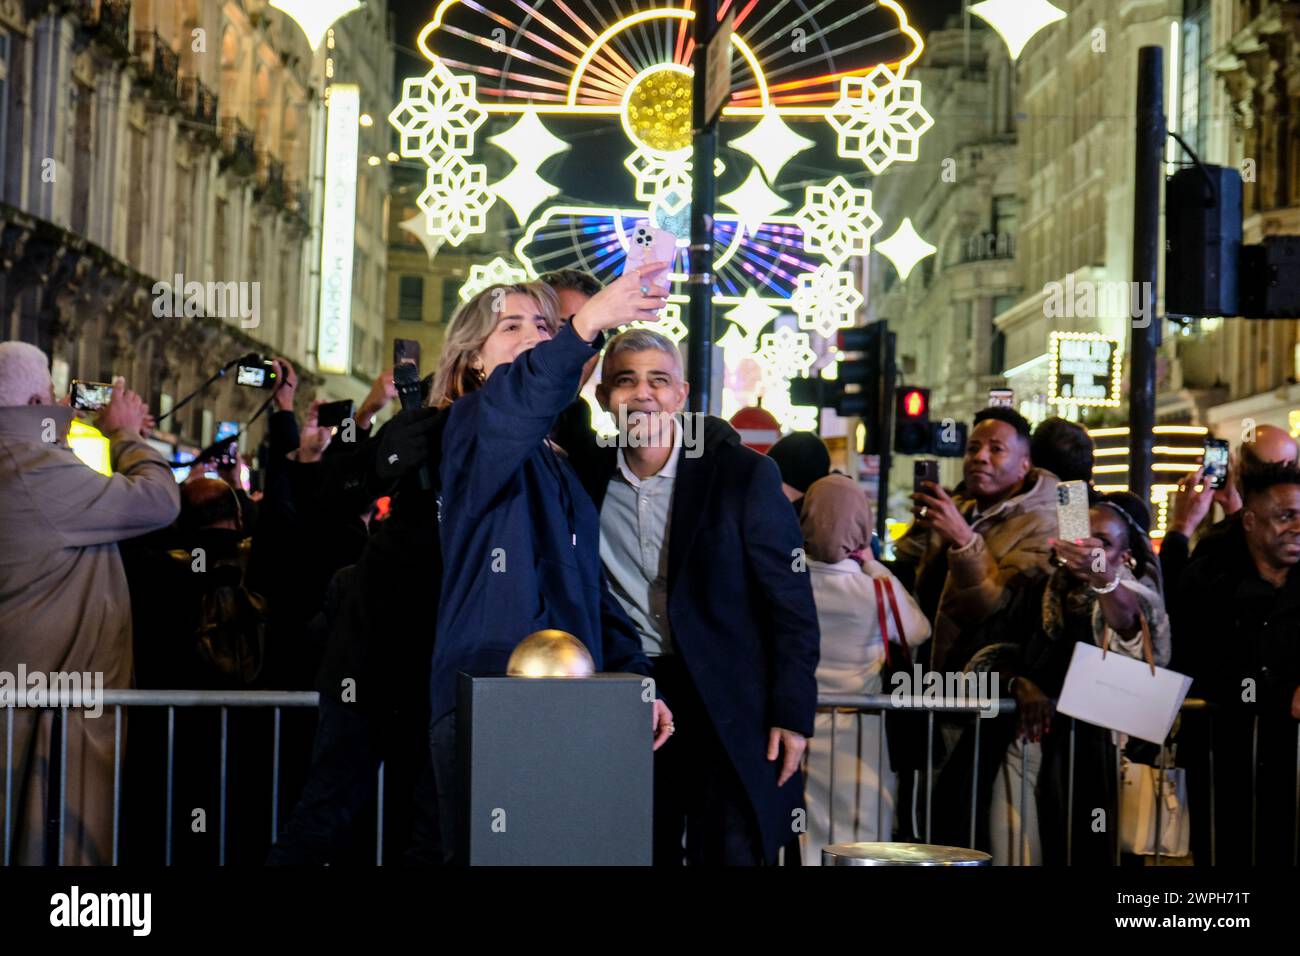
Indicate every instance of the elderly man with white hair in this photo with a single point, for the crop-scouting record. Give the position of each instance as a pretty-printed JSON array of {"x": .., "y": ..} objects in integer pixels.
[{"x": 64, "y": 606}]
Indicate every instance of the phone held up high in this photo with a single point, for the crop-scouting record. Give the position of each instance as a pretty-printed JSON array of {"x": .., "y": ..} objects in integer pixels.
[
  {"x": 90, "y": 396},
  {"x": 1216, "y": 462},
  {"x": 334, "y": 414},
  {"x": 1072, "y": 511},
  {"x": 649, "y": 244},
  {"x": 923, "y": 470},
  {"x": 406, "y": 350}
]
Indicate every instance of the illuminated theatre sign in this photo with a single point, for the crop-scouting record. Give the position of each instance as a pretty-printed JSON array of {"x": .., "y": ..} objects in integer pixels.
[
  {"x": 1084, "y": 369},
  {"x": 604, "y": 103},
  {"x": 338, "y": 229}
]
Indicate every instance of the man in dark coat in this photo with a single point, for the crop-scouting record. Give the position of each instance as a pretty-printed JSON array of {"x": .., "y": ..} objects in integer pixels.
[
  {"x": 703, "y": 553},
  {"x": 1239, "y": 623}
]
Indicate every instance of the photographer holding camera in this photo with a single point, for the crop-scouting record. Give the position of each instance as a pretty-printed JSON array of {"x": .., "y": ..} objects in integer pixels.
[{"x": 64, "y": 603}]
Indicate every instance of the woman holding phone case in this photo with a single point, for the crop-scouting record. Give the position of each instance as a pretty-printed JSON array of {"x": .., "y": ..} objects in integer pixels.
[
  {"x": 520, "y": 536},
  {"x": 1101, "y": 592}
]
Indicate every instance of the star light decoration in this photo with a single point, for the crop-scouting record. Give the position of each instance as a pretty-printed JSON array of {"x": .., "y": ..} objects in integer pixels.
[
  {"x": 750, "y": 317},
  {"x": 905, "y": 249},
  {"x": 838, "y": 221},
  {"x": 879, "y": 118},
  {"x": 754, "y": 202},
  {"x": 496, "y": 272},
  {"x": 1017, "y": 21},
  {"x": 418, "y": 226},
  {"x": 637, "y": 68},
  {"x": 771, "y": 144},
  {"x": 826, "y": 301},
  {"x": 315, "y": 17},
  {"x": 530, "y": 144}
]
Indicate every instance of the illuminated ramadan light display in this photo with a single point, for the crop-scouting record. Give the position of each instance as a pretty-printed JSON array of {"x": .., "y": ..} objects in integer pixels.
[
  {"x": 315, "y": 17},
  {"x": 1017, "y": 21},
  {"x": 781, "y": 249}
]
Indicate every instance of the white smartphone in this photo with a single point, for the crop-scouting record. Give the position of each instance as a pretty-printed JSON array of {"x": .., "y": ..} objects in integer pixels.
[
  {"x": 650, "y": 244},
  {"x": 1072, "y": 511}
]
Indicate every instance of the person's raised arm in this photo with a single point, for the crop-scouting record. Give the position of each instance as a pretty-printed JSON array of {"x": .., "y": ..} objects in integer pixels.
[
  {"x": 495, "y": 429},
  {"x": 87, "y": 508}
]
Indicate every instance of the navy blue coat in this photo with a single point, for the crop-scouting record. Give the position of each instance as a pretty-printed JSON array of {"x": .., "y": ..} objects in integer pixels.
[
  {"x": 741, "y": 615},
  {"x": 520, "y": 536}
]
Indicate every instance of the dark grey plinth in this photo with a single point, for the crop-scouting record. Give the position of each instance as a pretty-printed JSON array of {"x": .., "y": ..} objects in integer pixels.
[{"x": 555, "y": 771}]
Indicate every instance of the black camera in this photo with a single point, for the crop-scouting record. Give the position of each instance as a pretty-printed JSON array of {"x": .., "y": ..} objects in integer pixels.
[{"x": 256, "y": 372}]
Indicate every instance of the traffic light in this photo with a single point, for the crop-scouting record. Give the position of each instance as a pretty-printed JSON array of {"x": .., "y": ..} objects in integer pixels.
[
  {"x": 855, "y": 389},
  {"x": 913, "y": 434}
]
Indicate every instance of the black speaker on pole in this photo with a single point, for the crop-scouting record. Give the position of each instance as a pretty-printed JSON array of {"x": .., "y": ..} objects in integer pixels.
[{"x": 1202, "y": 241}]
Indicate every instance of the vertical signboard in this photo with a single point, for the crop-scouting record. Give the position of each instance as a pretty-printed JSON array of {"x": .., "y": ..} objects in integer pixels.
[{"x": 338, "y": 227}]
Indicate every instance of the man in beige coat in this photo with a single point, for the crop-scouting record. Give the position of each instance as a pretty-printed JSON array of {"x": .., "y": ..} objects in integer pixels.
[
  {"x": 972, "y": 549},
  {"x": 64, "y": 606}
]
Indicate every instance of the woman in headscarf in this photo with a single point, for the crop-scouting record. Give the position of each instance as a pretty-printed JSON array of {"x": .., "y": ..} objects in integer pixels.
[{"x": 851, "y": 590}]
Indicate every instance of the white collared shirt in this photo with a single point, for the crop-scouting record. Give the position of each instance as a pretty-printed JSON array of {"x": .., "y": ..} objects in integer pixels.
[{"x": 634, "y": 522}]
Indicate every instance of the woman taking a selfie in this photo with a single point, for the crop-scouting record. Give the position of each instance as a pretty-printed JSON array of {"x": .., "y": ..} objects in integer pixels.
[{"x": 520, "y": 536}]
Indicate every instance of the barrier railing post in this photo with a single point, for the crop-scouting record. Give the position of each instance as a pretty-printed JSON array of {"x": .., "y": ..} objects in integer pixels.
[
  {"x": 171, "y": 769},
  {"x": 117, "y": 776},
  {"x": 221, "y": 798},
  {"x": 929, "y": 769},
  {"x": 1022, "y": 845},
  {"x": 9, "y": 777},
  {"x": 379, "y": 818},
  {"x": 63, "y": 780},
  {"x": 1069, "y": 802},
  {"x": 830, "y": 803},
  {"x": 1254, "y": 790},
  {"x": 275, "y": 778},
  {"x": 975, "y": 783}
]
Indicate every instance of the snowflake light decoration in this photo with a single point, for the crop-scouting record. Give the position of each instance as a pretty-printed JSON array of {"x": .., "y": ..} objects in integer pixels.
[
  {"x": 496, "y": 272},
  {"x": 784, "y": 354},
  {"x": 456, "y": 199},
  {"x": 879, "y": 118},
  {"x": 437, "y": 115},
  {"x": 826, "y": 301},
  {"x": 634, "y": 66},
  {"x": 838, "y": 221}
]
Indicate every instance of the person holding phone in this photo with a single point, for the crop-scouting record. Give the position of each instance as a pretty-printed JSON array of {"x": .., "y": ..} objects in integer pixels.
[
  {"x": 65, "y": 605},
  {"x": 1099, "y": 591},
  {"x": 1196, "y": 497},
  {"x": 520, "y": 533},
  {"x": 971, "y": 550}
]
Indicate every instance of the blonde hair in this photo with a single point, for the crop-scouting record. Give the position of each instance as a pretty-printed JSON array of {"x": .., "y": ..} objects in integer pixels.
[{"x": 471, "y": 326}]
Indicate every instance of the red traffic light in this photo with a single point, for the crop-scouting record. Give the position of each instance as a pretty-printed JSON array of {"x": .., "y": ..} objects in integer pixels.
[{"x": 914, "y": 402}]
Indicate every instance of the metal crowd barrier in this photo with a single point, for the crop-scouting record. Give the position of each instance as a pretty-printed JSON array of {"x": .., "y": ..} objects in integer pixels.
[
  {"x": 865, "y": 704},
  {"x": 170, "y": 699},
  {"x": 861, "y": 705}
]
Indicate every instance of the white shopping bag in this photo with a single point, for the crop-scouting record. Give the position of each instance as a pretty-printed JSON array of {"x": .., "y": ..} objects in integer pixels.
[{"x": 1120, "y": 693}]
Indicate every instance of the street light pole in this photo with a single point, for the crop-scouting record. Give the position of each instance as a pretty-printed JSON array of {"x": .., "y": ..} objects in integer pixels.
[
  {"x": 703, "y": 198},
  {"x": 1145, "y": 330}
]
